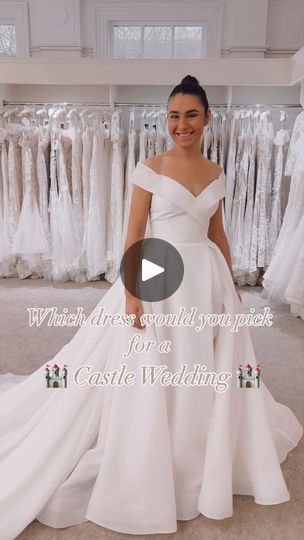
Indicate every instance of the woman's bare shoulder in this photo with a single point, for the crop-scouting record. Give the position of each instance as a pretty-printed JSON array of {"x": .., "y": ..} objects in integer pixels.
[
  {"x": 154, "y": 162},
  {"x": 157, "y": 162},
  {"x": 214, "y": 168}
]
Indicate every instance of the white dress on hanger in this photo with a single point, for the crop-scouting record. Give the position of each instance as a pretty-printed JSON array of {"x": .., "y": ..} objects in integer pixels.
[
  {"x": 215, "y": 138},
  {"x": 96, "y": 226},
  {"x": 160, "y": 143},
  {"x": 16, "y": 175},
  {"x": 107, "y": 159},
  {"x": 30, "y": 241},
  {"x": 231, "y": 171},
  {"x": 151, "y": 140},
  {"x": 67, "y": 248},
  {"x": 53, "y": 207},
  {"x": 281, "y": 139},
  {"x": 286, "y": 263},
  {"x": 294, "y": 293},
  {"x": 222, "y": 139},
  {"x": 130, "y": 166},
  {"x": 250, "y": 278},
  {"x": 43, "y": 183},
  {"x": 238, "y": 204},
  {"x": 143, "y": 142},
  {"x": 297, "y": 132},
  {"x": 87, "y": 141},
  {"x": 206, "y": 140},
  {"x": 6, "y": 269},
  {"x": 288, "y": 286},
  {"x": 115, "y": 224},
  {"x": 259, "y": 249},
  {"x": 137, "y": 458},
  {"x": 75, "y": 133},
  {"x": 87, "y": 148}
]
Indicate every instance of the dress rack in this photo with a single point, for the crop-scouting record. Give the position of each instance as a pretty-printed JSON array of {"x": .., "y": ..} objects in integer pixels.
[{"x": 123, "y": 104}]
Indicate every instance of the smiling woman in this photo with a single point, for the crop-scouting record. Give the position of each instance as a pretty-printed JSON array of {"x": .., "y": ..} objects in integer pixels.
[{"x": 184, "y": 122}]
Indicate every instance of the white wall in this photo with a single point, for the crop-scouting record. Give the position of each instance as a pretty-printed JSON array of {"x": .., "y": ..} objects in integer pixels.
[
  {"x": 285, "y": 25},
  {"x": 68, "y": 28}
]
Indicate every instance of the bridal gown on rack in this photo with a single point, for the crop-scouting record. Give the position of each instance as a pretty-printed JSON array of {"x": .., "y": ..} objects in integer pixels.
[
  {"x": 5, "y": 249},
  {"x": 137, "y": 458},
  {"x": 30, "y": 241},
  {"x": 283, "y": 280}
]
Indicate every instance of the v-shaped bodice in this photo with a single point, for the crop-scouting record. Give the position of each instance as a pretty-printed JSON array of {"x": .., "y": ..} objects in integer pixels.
[{"x": 176, "y": 215}]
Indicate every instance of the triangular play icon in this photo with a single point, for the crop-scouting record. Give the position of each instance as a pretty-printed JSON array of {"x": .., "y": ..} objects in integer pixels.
[{"x": 150, "y": 269}]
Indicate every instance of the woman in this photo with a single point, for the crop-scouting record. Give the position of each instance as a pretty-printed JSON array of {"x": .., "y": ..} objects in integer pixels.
[
  {"x": 174, "y": 435},
  {"x": 188, "y": 114}
]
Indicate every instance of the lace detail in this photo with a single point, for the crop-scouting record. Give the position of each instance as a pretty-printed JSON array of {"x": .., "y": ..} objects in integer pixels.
[
  {"x": 30, "y": 241},
  {"x": 248, "y": 217},
  {"x": 283, "y": 280},
  {"x": 259, "y": 251},
  {"x": 143, "y": 143},
  {"x": 42, "y": 175},
  {"x": 238, "y": 205},
  {"x": 87, "y": 148},
  {"x": 76, "y": 137},
  {"x": 151, "y": 141},
  {"x": 6, "y": 267},
  {"x": 15, "y": 180},
  {"x": 114, "y": 240},
  {"x": 282, "y": 137},
  {"x": 231, "y": 171},
  {"x": 292, "y": 154},
  {"x": 96, "y": 221},
  {"x": 132, "y": 139}
]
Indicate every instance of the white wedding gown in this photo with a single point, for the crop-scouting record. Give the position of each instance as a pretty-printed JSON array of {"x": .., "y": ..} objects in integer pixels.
[{"x": 137, "y": 458}]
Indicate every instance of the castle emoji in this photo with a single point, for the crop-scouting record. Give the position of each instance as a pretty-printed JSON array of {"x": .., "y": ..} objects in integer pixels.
[
  {"x": 248, "y": 377},
  {"x": 55, "y": 380}
]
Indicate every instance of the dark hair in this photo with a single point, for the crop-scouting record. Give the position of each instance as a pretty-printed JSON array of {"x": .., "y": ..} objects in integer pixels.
[{"x": 190, "y": 85}]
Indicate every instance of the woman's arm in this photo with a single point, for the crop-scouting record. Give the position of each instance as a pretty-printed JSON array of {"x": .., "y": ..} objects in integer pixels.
[
  {"x": 139, "y": 210},
  {"x": 217, "y": 234}
]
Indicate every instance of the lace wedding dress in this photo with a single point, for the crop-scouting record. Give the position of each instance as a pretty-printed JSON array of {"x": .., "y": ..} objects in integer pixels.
[
  {"x": 283, "y": 280},
  {"x": 116, "y": 208},
  {"x": 5, "y": 248},
  {"x": 130, "y": 166},
  {"x": 136, "y": 459},
  {"x": 30, "y": 241}
]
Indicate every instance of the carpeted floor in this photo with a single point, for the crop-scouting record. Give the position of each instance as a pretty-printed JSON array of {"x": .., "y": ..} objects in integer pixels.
[{"x": 279, "y": 350}]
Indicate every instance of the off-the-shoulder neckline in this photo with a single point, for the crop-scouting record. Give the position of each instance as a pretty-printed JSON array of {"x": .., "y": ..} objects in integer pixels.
[{"x": 180, "y": 184}]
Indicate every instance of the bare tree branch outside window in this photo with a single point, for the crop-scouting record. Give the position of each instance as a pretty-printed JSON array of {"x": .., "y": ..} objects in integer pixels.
[
  {"x": 7, "y": 40},
  {"x": 159, "y": 41}
]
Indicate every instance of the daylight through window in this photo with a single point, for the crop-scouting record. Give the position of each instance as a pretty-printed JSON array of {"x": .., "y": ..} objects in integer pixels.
[{"x": 159, "y": 41}]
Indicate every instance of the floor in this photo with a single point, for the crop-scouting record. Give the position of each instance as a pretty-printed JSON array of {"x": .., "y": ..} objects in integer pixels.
[{"x": 279, "y": 350}]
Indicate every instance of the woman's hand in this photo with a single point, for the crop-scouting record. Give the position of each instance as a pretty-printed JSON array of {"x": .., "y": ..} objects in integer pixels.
[{"x": 134, "y": 306}]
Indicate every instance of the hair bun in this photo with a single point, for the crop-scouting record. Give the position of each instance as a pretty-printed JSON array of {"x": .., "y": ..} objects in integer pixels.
[{"x": 189, "y": 79}]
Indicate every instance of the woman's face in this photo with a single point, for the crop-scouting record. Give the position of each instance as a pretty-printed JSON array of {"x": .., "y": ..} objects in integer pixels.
[{"x": 186, "y": 119}]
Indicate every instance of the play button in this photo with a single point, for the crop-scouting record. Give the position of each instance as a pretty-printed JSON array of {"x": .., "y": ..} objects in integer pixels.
[{"x": 152, "y": 269}]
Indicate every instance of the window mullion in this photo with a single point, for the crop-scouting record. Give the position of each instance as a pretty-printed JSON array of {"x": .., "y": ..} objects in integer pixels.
[
  {"x": 186, "y": 44},
  {"x": 143, "y": 41}
]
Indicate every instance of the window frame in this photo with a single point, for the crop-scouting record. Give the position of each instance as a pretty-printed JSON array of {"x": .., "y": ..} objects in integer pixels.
[
  {"x": 18, "y": 13},
  {"x": 104, "y": 16},
  {"x": 8, "y": 22},
  {"x": 171, "y": 24}
]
